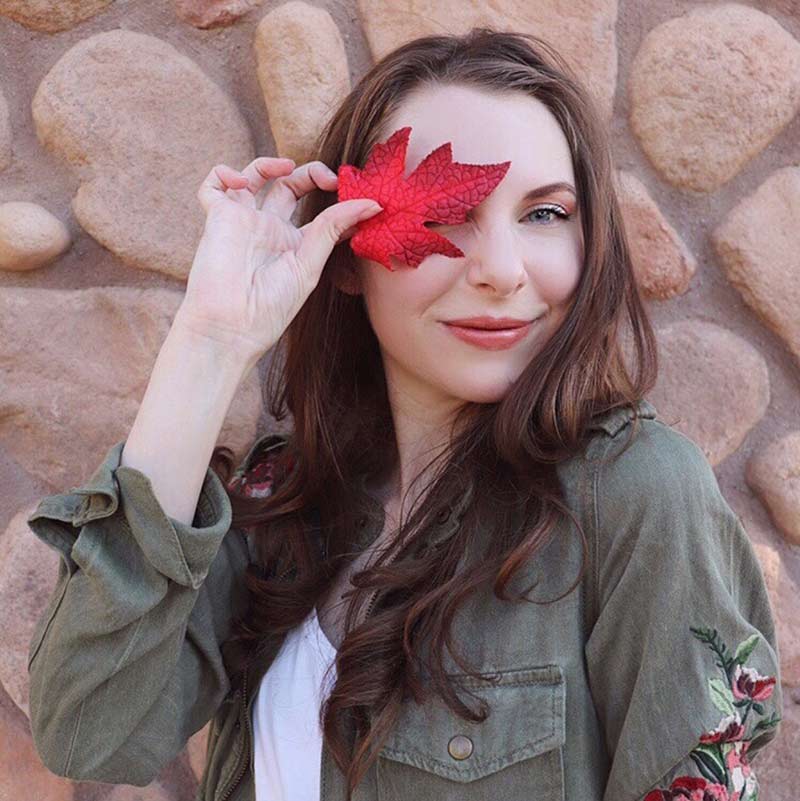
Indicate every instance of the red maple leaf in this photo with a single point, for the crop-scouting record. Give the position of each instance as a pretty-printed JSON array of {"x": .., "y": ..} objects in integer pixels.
[{"x": 439, "y": 191}]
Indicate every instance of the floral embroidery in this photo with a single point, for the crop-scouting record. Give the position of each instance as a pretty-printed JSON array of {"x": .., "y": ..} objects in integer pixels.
[
  {"x": 721, "y": 754},
  {"x": 258, "y": 480}
]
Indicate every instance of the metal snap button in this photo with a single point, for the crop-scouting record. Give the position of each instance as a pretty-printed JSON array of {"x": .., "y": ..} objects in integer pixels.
[{"x": 460, "y": 746}]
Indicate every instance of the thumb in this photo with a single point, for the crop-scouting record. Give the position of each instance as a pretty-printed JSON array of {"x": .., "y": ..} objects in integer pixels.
[{"x": 326, "y": 229}]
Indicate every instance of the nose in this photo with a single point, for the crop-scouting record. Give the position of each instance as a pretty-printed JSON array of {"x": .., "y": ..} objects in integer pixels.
[{"x": 495, "y": 261}]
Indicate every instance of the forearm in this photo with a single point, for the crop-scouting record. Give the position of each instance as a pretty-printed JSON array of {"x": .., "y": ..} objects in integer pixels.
[{"x": 188, "y": 396}]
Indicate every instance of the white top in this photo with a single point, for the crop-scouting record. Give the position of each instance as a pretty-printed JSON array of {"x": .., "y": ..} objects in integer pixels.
[{"x": 287, "y": 735}]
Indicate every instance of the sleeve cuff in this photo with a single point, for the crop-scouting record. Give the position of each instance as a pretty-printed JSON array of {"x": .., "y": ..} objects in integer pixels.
[{"x": 181, "y": 552}]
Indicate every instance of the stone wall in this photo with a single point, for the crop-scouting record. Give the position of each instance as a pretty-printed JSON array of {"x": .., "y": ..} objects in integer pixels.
[{"x": 112, "y": 113}]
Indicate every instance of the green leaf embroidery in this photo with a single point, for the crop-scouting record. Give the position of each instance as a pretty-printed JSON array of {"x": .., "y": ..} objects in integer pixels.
[
  {"x": 725, "y": 661},
  {"x": 711, "y": 763},
  {"x": 769, "y": 723},
  {"x": 746, "y": 648},
  {"x": 721, "y": 695},
  {"x": 711, "y": 758}
]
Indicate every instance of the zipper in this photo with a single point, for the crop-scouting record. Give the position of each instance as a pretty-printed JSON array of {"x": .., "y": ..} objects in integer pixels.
[
  {"x": 244, "y": 757},
  {"x": 374, "y": 594},
  {"x": 371, "y": 603}
]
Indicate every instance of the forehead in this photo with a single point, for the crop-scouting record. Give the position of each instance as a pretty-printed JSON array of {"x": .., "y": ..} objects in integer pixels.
[{"x": 485, "y": 127}]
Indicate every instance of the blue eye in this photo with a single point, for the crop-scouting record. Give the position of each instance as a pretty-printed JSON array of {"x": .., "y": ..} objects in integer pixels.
[
  {"x": 549, "y": 209},
  {"x": 557, "y": 210}
]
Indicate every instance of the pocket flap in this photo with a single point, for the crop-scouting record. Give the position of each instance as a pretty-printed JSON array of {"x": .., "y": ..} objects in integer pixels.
[{"x": 526, "y": 718}]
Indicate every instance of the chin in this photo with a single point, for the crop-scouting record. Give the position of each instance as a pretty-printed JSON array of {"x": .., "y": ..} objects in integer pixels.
[{"x": 484, "y": 392}]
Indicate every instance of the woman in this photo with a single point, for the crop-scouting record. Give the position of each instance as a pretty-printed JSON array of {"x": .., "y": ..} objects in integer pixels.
[{"x": 429, "y": 467}]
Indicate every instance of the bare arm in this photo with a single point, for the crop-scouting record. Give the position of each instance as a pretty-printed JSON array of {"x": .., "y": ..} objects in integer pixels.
[
  {"x": 125, "y": 663},
  {"x": 177, "y": 426}
]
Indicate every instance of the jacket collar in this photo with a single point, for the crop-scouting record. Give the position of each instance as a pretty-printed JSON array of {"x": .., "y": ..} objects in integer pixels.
[
  {"x": 371, "y": 521},
  {"x": 372, "y": 515},
  {"x": 613, "y": 421},
  {"x": 100, "y": 495}
]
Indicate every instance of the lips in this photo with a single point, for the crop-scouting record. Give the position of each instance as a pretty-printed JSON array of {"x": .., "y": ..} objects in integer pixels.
[
  {"x": 490, "y": 338},
  {"x": 486, "y": 323}
]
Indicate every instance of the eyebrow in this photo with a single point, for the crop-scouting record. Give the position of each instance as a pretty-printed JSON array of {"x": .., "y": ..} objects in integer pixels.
[
  {"x": 548, "y": 189},
  {"x": 541, "y": 191}
]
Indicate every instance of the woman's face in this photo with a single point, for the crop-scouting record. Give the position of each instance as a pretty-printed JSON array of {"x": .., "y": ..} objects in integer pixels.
[{"x": 521, "y": 259}]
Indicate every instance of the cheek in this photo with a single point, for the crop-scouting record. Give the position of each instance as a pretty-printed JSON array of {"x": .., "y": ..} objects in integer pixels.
[
  {"x": 404, "y": 294},
  {"x": 558, "y": 275}
]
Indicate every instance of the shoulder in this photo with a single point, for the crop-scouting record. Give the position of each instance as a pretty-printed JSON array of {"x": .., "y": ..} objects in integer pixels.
[
  {"x": 654, "y": 500},
  {"x": 662, "y": 529},
  {"x": 633, "y": 460},
  {"x": 654, "y": 464}
]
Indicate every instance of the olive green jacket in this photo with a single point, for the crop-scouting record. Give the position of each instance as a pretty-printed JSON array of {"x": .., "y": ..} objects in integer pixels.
[{"x": 659, "y": 670}]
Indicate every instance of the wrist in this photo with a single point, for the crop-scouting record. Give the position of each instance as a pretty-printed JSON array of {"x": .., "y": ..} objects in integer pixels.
[{"x": 228, "y": 354}]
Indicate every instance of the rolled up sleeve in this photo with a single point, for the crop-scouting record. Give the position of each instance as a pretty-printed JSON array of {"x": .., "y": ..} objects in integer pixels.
[{"x": 125, "y": 663}]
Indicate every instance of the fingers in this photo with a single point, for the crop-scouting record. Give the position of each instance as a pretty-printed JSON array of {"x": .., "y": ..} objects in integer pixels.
[
  {"x": 326, "y": 229},
  {"x": 288, "y": 189},
  {"x": 221, "y": 178},
  {"x": 344, "y": 235},
  {"x": 265, "y": 168}
]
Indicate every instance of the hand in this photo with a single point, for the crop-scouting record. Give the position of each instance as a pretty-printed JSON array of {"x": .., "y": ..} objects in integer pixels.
[{"x": 253, "y": 268}]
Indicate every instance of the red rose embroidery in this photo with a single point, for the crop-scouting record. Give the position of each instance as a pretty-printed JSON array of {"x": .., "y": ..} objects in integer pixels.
[
  {"x": 259, "y": 479},
  {"x": 747, "y": 683},
  {"x": 729, "y": 728},
  {"x": 692, "y": 788},
  {"x": 721, "y": 754}
]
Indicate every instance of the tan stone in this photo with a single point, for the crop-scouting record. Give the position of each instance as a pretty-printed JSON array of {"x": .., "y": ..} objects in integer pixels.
[
  {"x": 790, "y": 8},
  {"x": 23, "y": 777},
  {"x": 583, "y": 33},
  {"x": 780, "y": 564},
  {"x": 776, "y": 766},
  {"x": 5, "y": 133},
  {"x": 51, "y": 16},
  {"x": 75, "y": 366},
  {"x": 141, "y": 125},
  {"x": 155, "y": 791},
  {"x": 28, "y": 573},
  {"x": 196, "y": 750},
  {"x": 710, "y": 89},
  {"x": 757, "y": 245},
  {"x": 213, "y": 13},
  {"x": 774, "y": 474},
  {"x": 662, "y": 262},
  {"x": 713, "y": 386},
  {"x": 303, "y": 73},
  {"x": 30, "y": 236}
]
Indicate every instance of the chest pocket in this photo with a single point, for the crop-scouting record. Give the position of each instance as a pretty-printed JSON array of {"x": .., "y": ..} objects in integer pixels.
[{"x": 516, "y": 754}]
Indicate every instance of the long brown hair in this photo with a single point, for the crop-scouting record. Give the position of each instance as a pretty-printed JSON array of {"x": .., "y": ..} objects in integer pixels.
[{"x": 328, "y": 373}]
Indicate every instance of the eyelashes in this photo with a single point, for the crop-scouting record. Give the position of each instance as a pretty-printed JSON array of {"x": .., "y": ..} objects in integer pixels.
[{"x": 557, "y": 210}]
